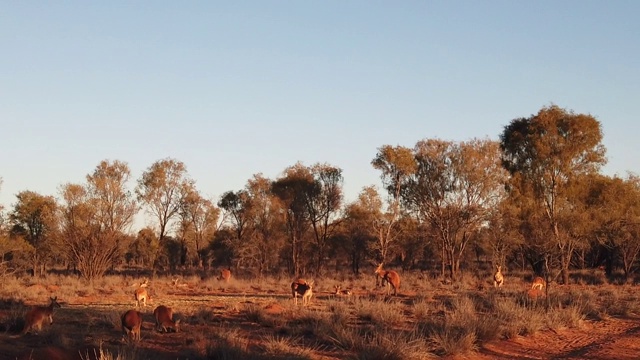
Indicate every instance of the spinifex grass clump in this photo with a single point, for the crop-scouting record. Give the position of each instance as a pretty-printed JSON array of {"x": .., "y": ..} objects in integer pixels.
[
  {"x": 278, "y": 347},
  {"x": 392, "y": 345},
  {"x": 456, "y": 332},
  {"x": 13, "y": 319},
  {"x": 227, "y": 344},
  {"x": 380, "y": 313},
  {"x": 516, "y": 319}
]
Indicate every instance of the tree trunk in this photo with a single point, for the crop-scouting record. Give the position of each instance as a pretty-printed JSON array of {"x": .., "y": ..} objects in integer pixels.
[
  {"x": 442, "y": 262},
  {"x": 565, "y": 260}
]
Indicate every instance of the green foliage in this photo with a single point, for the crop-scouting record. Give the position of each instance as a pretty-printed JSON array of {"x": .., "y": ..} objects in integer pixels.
[
  {"x": 34, "y": 219},
  {"x": 544, "y": 154}
]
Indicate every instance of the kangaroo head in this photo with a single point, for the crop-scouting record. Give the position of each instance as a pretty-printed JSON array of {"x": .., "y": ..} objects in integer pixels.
[{"x": 54, "y": 302}]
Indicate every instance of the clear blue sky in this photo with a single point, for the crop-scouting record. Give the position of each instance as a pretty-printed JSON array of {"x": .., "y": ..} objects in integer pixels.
[{"x": 236, "y": 88}]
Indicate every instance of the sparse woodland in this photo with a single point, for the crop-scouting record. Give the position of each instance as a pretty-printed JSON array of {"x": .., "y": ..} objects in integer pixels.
[
  {"x": 533, "y": 200},
  {"x": 472, "y": 236}
]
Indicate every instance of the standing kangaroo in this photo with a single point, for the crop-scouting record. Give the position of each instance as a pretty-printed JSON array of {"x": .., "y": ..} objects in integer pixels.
[
  {"x": 303, "y": 288},
  {"x": 37, "y": 315},
  {"x": 225, "y": 275},
  {"x": 141, "y": 295},
  {"x": 498, "y": 278},
  {"x": 390, "y": 277}
]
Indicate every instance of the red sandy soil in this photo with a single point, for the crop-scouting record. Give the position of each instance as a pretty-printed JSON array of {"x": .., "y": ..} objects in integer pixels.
[{"x": 614, "y": 339}]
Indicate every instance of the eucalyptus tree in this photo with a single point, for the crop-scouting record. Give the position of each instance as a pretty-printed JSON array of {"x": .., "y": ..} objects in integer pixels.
[
  {"x": 96, "y": 218},
  {"x": 613, "y": 208},
  {"x": 237, "y": 207},
  {"x": 203, "y": 219},
  {"x": 9, "y": 246},
  {"x": 144, "y": 249},
  {"x": 2, "y": 218},
  {"x": 34, "y": 219},
  {"x": 265, "y": 222},
  {"x": 396, "y": 164},
  {"x": 323, "y": 198},
  {"x": 544, "y": 153},
  {"x": 162, "y": 189},
  {"x": 455, "y": 191},
  {"x": 199, "y": 222},
  {"x": 291, "y": 190},
  {"x": 356, "y": 230}
]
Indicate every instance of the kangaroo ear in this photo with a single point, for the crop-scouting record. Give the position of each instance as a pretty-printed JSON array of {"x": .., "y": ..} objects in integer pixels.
[{"x": 178, "y": 321}]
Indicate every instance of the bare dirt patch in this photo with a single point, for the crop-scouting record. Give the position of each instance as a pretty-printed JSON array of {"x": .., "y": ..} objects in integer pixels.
[{"x": 614, "y": 338}]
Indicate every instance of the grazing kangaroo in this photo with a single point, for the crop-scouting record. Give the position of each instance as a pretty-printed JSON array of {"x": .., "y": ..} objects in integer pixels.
[
  {"x": 303, "y": 288},
  {"x": 498, "y": 278},
  {"x": 225, "y": 275},
  {"x": 340, "y": 292},
  {"x": 37, "y": 315},
  {"x": 164, "y": 319},
  {"x": 141, "y": 295},
  {"x": 538, "y": 283},
  {"x": 131, "y": 324},
  {"x": 391, "y": 277}
]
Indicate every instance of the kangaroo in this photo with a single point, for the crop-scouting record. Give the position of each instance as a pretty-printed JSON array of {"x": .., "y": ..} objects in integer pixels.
[
  {"x": 131, "y": 324},
  {"x": 225, "y": 275},
  {"x": 341, "y": 292},
  {"x": 390, "y": 277},
  {"x": 37, "y": 315},
  {"x": 141, "y": 295},
  {"x": 498, "y": 279},
  {"x": 164, "y": 319},
  {"x": 303, "y": 288},
  {"x": 538, "y": 283}
]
